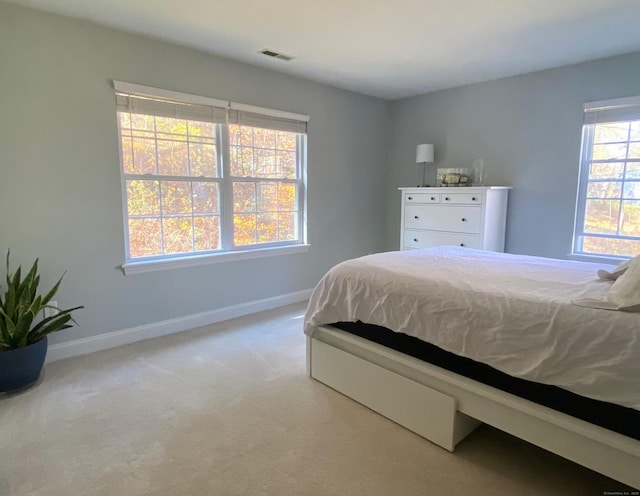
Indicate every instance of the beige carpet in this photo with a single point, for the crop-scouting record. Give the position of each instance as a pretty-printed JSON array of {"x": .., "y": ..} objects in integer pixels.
[{"x": 227, "y": 410}]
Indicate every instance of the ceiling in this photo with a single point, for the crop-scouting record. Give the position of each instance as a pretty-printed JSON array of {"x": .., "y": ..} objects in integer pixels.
[{"x": 388, "y": 49}]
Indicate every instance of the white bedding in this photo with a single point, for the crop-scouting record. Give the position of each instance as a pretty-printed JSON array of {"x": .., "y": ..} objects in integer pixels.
[{"x": 512, "y": 312}]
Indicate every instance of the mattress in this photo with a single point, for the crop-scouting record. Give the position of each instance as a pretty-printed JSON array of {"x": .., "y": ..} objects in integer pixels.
[{"x": 511, "y": 312}]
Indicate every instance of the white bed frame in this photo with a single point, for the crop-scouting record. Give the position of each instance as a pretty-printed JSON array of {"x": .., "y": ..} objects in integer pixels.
[{"x": 445, "y": 407}]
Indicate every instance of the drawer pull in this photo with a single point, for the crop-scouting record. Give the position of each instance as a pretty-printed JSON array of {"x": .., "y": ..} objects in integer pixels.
[
  {"x": 447, "y": 198},
  {"x": 411, "y": 198},
  {"x": 433, "y": 198},
  {"x": 461, "y": 244},
  {"x": 473, "y": 198},
  {"x": 415, "y": 239},
  {"x": 464, "y": 220},
  {"x": 415, "y": 216}
]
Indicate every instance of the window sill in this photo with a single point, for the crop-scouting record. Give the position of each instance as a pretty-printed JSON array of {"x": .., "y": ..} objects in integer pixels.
[
  {"x": 602, "y": 259},
  {"x": 192, "y": 261}
]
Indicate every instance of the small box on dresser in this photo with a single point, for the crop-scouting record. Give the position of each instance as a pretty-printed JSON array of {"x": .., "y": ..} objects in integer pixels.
[{"x": 474, "y": 217}]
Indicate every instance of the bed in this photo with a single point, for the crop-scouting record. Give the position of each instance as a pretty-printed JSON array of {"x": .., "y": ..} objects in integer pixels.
[{"x": 561, "y": 376}]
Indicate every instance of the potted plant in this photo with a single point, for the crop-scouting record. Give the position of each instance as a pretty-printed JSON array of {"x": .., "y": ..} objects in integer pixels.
[{"x": 24, "y": 328}]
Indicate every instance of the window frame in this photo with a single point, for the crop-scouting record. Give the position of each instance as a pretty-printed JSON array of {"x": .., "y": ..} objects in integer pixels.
[
  {"x": 164, "y": 178},
  {"x": 586, "y": 156},
  {"x": 227, "y": 197},
  {"x": 227, "y": 251}
]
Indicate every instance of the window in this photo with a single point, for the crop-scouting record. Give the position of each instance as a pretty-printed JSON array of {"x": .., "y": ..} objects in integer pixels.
[
  {"x": 266, "y": 181},
  {"x": 608, "y": 206},
  {"x": 205, "y": 177}
]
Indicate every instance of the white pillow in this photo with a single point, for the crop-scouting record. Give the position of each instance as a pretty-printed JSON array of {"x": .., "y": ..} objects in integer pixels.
[
  {"x": 617, "y": 272},
  {"x": 624, "y": 293}
]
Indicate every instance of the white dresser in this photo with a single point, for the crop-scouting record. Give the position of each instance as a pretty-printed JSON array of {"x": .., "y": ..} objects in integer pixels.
[{"x": 474, "y": 217}]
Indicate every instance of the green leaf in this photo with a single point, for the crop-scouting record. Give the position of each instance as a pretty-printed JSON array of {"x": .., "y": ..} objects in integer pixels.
[
  {"x": 16, "y": 277},
  {"x": 5, "y": 337},
  {"x": 53, "y": 324},
  {"x": 52, "y": 292},
  {"x": 36, "y": 305},
  {"x": 25, "y": 290},
  {"x": 10, "y": 328},
  {"x": 32, "y": 273},
  {"x": 34, "y": 287},
  {"x": 10, "y": 299},
  {"x": 40, "y": 327},
  {"x": 22, "y": 329}
]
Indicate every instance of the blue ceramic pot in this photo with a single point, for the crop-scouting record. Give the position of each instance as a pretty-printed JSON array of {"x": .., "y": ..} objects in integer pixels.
[{"x": 21, "y": 367}]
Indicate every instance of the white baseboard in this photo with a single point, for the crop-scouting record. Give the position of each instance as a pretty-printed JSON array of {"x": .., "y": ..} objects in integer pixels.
[{"x": 147, "y": 331}]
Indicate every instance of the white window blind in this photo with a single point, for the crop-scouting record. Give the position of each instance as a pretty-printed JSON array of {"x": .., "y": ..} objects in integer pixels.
[
  {"x": 153, "y": 101},
  {"x": 245, "y": 115},
  {"x": 139, "y": 99},
  {"x": 619, "y": 110},
  {"x": 608, "y": 205}
]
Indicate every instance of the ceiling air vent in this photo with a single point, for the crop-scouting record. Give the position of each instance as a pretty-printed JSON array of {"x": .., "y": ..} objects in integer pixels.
[{"x": 276, "y": 55}]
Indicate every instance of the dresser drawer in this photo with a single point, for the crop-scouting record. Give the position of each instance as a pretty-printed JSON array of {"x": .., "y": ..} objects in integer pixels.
[
  {"x": 422, "y": 198},
  {"x": 463, "y": 219},
  {"x": 428, "y": 239},
  {"x": 462, "y": 198}
]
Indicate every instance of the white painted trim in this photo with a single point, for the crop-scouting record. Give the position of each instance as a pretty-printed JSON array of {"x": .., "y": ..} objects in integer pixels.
[
  {"x": 138, "y": 89},
  {"x": 596, "y": 259},
  {"x": 270, "y": 112},
  {"x": 228, "y": 256},
  {"x": 172, "y": 326}
]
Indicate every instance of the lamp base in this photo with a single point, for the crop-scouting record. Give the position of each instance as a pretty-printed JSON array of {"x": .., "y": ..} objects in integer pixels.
[{"x": 424, "y": 178}]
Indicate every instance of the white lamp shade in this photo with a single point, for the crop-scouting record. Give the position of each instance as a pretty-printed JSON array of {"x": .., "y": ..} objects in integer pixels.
[{"x": 424, "y": 153}]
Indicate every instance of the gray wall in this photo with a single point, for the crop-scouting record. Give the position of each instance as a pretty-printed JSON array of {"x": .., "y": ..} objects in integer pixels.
[
  {"x": 528, "y": 128},
  {"x": 60, "y": 194}
]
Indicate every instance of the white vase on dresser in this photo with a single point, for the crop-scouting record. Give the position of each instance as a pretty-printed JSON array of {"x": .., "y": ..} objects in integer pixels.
[{"x": 474, "y": 217}]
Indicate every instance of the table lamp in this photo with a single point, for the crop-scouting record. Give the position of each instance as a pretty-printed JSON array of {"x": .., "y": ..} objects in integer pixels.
[{"x": 424, "y": 156}]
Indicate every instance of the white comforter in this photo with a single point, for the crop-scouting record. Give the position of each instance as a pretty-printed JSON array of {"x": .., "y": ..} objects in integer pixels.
[{"x": 512, "y": 312}]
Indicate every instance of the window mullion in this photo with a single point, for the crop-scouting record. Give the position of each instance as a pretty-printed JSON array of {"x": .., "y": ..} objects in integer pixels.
[
  {"x": 257, "y": 184},
  {"x": 226, "y": 189},
  {"x": 301, "y": 170},
  {"x": 583, "y": 181},
  {"x": 611, "y": 236},
  {"x": 123, "y": 185},
  {"x": 277, "y": 212},
  {"x": 624, "y": 182},
  {"x": 188, "y": 151},
  {"x": 153, "y": 177},
  {"x": 161, "y": 217},
  {"x": 155, "y": 142},
  {"x": 265, "y": 179},
  {"x": 193, "y": 220}
]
